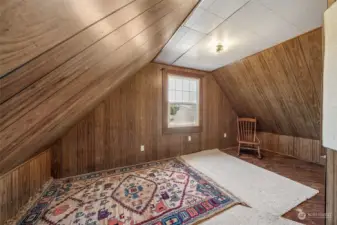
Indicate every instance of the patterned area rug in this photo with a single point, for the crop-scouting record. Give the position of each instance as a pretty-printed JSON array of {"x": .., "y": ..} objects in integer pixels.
[{"x": 167, "y": 192}]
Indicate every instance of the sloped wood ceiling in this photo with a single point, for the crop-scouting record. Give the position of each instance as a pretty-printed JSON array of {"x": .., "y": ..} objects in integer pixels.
[
  {"x": 280, "y": 86},
  {"x": 59, "y": 58}
]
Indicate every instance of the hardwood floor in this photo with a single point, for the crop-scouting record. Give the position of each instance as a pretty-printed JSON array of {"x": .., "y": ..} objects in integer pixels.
[{"x": 306, "y": 173}]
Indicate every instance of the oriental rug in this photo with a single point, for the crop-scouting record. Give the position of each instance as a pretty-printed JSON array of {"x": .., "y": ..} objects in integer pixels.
[{"x": 168, "y": 192}]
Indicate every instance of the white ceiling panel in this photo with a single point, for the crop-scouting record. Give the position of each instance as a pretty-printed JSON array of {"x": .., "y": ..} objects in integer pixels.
[
  {"x": 182, "y": 41},
  {"x": 203, "y": 21},
  {"x": 261, "y": 20},
  {"x": 243, "y": 27},
  {"x": 203, "y": 56},
  {"x": 304, "y": 14},
  {"x": 225, "y": 8},
  {"x": 191, "y": 38},
  {"x": 205, "y": 4}
]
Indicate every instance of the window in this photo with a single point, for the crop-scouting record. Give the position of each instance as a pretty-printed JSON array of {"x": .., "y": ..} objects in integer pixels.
[{"x": 182, "y": 108}]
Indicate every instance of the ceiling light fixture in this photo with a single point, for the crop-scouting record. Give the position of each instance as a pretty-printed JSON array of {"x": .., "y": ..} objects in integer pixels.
[{"x": 219, "y": 48}]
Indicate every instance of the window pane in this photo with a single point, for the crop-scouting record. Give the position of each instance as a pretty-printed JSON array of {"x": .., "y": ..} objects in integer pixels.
[
  {"x": 186, "y": 96},
  {"x": 183, "y": 96},
  {"x": 186, "y": 85},
  {"x": 179, "y": 96},
  {"x": 183, "y": 115},
  {"x": 171, "y": 96},
  {"x": 193, "y": 97},
  {"x": 179, "y": 84},
  {"x": 193, "y": 85},
  {"x": 172, "y": 84}
]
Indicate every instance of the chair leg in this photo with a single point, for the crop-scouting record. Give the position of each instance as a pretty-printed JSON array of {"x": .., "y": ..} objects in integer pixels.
[
  {"x": 239, "y": 148},
  {"x": 259, "y": 152}
]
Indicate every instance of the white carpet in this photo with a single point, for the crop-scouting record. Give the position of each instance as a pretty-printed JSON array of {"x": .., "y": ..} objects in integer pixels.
[
  {"x": 259, "y": 188},
  {"x": 240, "y": 215}
]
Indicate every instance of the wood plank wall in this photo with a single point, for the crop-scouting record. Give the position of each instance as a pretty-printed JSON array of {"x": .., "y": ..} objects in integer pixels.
[
  {"x": 331, "y": 187},
  {"x": 75, "y": 54},
  {"x": 301, "y": 148},
  {"x": 110, "y": 135},
  {"x": 18, "y": 185},
  {"x": 280, "y": 86},
  {"x": 331, "y": 179}
]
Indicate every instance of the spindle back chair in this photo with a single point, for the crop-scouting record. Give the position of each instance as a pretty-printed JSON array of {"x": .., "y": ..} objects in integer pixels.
[{"x": 247, "y": 135}]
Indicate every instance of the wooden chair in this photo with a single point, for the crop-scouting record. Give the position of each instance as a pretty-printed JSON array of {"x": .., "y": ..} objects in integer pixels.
[{"x": 247, "y": 135}]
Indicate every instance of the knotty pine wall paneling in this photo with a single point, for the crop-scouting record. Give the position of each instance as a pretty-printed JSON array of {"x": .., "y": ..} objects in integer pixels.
[
  {"x": 280, "y": 86},
  {"x": 111, "y": 135},
  {"x": 301, "y": 148},
  {"x": 19, "y": 184},
  {"x": 52, "y": 91}
]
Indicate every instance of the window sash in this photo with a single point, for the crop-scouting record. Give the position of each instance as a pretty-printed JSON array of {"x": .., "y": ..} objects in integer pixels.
[
  {"x": 181, "y": 85},
  {"x": 195, "y": 101},
  {"x": 177, "y": 93}
]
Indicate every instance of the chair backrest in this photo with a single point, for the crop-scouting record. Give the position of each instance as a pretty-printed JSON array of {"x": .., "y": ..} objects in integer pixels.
[{"x": 246, "y": 129}]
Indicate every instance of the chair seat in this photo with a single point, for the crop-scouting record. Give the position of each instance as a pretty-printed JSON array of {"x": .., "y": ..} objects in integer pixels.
[
  {"x": 247, "y": 135},
  {"x": 249, "y": 143}
]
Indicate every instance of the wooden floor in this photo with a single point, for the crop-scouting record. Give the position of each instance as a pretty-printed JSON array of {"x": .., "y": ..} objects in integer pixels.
[{"x": 309, "y": 174}]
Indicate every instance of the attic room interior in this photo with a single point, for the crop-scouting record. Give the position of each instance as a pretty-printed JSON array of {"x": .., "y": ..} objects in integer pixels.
[{"x": 168, "y": 112}]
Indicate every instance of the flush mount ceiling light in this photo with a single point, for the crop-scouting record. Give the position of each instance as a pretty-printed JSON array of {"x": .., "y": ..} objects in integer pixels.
[
  {"x": 222, "y": 46},
  {"x": 219, "y": 48}
]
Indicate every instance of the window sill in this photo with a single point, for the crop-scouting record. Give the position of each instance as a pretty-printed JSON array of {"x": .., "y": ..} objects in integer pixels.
[{"x": 182, "y": 130}]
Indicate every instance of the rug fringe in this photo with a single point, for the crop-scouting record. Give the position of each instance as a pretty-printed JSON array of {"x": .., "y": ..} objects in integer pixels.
[{"x": 210, "y": 216}]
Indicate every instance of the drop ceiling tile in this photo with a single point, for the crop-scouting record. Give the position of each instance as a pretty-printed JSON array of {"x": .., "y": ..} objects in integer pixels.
[
  {"x": 194, "y": 17},
  {"x": 207, "y": 62},
  {"x": 203, "y": 21},
  {"x": 205, "y": 4},
  {"x": 195, "y": 57},
  {"x": 178, "y": 35},
  {"x": 168, "y": 54},
  {"x": 203, "y": 55},
  {"x": 265, "y": 23},
  {"x": 255, "y": 26},
  {"x": 225, "y": 8},
  {"x": 235, "y": 33},
  {"x": 181, "y": 42},
  {"x": 191, "y": 38},
  {"x": 304, "y": 14}
]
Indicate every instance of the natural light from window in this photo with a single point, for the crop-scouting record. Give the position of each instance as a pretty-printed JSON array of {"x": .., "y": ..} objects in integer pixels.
[{"x": 183, "y": 100}]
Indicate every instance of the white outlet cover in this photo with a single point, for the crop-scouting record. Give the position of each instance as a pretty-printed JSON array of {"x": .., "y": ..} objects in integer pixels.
[
  {"x": 225, "y": 135},
  {"x": 142, "y": 148},
  {"x": 189, "y": 138}
]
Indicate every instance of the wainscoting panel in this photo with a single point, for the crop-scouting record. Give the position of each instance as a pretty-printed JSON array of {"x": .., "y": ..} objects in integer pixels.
[
  {"x": 111, "y": 135},
  {"x": 301, "y": 148},
  {"x": 21, "y": 183}
]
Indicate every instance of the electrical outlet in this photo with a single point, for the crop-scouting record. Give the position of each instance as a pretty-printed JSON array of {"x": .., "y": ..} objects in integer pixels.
[
  {"x": 225, "y": 135},
  {"x": 189, "y": 138},
  {"x": 142, "y": 148}
]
